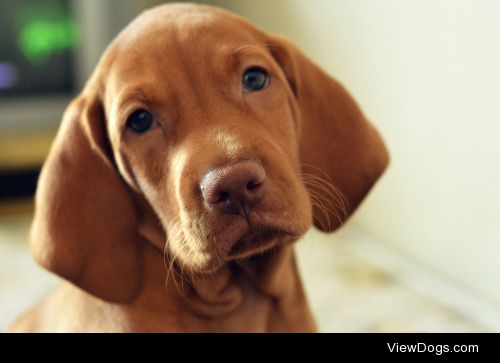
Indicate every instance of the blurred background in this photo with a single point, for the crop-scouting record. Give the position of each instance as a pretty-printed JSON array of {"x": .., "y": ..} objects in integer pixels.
[{"x": 421, "y": 254}]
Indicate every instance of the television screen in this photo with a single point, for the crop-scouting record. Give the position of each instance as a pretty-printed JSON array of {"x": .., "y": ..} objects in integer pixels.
[{"x": 37, "y": 39}]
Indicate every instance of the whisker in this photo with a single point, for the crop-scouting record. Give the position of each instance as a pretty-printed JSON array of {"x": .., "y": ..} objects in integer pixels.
[
  {"x": 329, "y": 189},
  {"x": 173, "y": 231},
  {"x": 332, "y": 190},
  {"x": 319, "y": 204},
  {"x": 325, "y": 195},
  {"x": 335, "y": 207}
]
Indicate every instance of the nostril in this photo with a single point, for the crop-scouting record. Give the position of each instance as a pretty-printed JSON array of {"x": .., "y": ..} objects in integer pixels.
[
  {"x": 223, "y": 197},
  {"x": 252, "y": 185}
]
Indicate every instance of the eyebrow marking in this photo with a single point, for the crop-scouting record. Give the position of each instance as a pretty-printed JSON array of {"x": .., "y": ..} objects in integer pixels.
[
  {"x": 136, "y": 94},
  {"x": 246, "y": 48}
]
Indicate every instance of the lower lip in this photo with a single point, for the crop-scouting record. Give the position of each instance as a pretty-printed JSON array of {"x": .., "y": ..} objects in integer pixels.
[{"x": 245, "y": 248}]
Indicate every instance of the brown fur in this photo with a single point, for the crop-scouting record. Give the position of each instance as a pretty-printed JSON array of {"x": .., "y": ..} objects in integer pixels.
[{"x": 118, "y": 214}]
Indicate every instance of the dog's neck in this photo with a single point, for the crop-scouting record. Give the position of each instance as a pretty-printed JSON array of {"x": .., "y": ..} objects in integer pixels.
[
  {"x": 272, "y": 274},
  {"x": 262, "y": 293}
]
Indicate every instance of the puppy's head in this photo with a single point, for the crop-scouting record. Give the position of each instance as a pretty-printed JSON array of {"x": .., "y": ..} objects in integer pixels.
[{"x": 201, "y": 131}]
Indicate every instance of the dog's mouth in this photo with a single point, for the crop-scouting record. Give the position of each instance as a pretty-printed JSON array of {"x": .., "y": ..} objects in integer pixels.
[{"x": 257, "y": 241}]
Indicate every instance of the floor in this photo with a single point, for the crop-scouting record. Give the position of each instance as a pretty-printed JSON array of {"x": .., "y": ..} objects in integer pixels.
[
  {"x": 346, "y": 293},
  {"x": 349, "y": 293}
]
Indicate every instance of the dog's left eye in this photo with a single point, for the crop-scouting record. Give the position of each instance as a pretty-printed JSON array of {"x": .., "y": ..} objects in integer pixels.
[
  {"x": 140, "y": 121},
  {"x": 255, "y": 79}
]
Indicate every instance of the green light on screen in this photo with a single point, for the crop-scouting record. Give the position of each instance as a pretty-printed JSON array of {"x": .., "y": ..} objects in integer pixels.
[{"x": 39, "y": 39}]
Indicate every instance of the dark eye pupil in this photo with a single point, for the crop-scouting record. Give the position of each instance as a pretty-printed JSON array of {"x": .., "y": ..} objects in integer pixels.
[
  {"x": 140, "y": 121},
  {"x": 254, "y": 79}
]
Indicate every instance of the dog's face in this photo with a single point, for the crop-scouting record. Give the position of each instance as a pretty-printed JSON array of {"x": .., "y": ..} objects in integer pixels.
[
  {"x": 192, "y": 105},
  {"x": 222, "y": 139}
]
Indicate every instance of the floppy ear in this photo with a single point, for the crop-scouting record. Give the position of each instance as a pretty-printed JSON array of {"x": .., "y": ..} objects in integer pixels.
[
  {"x": 84, "y": 227},
  {"x": 342, "y": 155}
]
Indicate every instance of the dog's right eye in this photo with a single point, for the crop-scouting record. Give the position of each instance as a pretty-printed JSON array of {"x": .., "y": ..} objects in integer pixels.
[
  {"x": 255, "y": 79},
  {"x": 140, "y": 121}
]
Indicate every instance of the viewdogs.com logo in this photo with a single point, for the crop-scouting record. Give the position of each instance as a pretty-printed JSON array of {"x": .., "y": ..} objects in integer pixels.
[{"x": 437, "y": 349}]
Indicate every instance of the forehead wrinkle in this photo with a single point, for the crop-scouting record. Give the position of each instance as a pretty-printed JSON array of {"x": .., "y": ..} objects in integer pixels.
[
  {"x": 244, "y": 49},
  {"x": 137, "y": 93}
]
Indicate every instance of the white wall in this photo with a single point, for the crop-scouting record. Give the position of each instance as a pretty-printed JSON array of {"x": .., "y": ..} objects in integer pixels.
[{"x": 428, "y": 74}]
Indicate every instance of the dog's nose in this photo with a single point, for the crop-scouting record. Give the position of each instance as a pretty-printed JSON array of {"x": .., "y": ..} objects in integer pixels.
[{"x": 234, "y": 188}]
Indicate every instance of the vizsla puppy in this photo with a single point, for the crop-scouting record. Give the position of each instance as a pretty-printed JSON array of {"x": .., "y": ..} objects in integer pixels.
[{"x": 198, "y": 151}]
